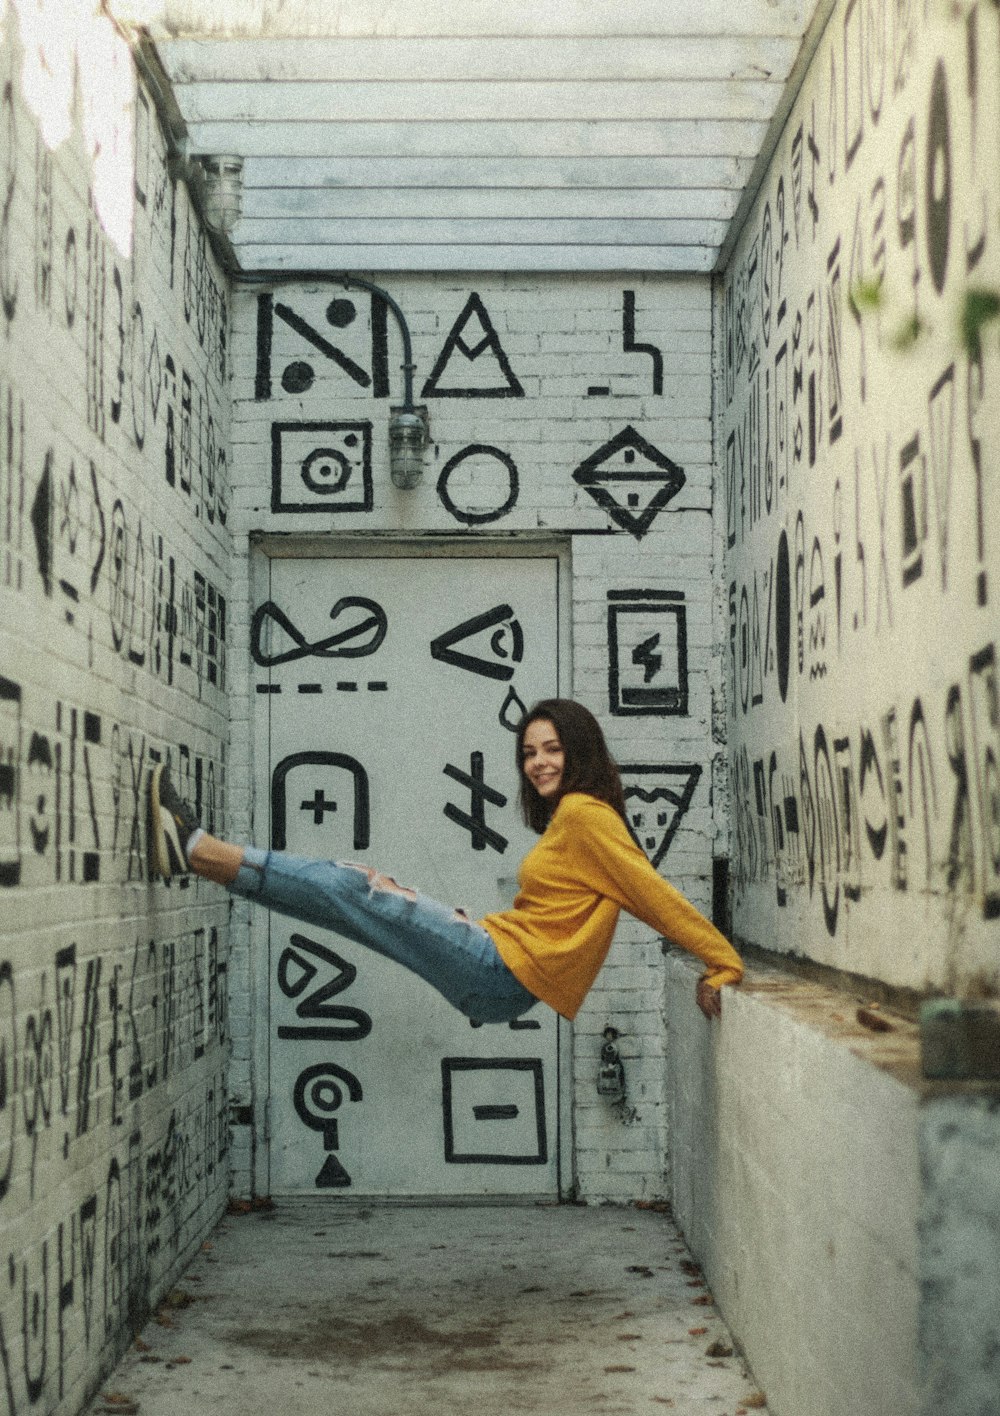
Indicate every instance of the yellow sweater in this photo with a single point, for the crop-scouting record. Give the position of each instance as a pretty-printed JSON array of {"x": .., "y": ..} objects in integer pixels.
[{"x": 573, "y": 883}]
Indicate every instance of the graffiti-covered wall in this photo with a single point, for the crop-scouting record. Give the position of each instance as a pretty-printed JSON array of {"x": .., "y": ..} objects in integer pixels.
[
  {"x": 569, "y": 412},
  {"x": 858, "y": 402},
  {"x": 113, "y": 598}
]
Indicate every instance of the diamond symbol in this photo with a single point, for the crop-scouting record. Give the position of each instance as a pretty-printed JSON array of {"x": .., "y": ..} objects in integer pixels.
[{"x": 631, "y": 480}]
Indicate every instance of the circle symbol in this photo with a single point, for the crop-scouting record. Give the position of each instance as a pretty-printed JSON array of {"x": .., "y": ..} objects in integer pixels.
[
  {"x": 490, "y": 463},
  {"x": 326, "y": 471},
  {"x": 341, "y": 313},
  {"x": 297, "y": 377}
]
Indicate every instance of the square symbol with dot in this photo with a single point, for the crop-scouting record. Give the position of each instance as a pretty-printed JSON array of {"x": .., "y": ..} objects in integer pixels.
[{"x": 321, "y": 467}]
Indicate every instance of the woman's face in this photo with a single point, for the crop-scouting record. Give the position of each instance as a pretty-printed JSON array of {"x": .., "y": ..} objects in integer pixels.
[{"x": 543, "y": 759}]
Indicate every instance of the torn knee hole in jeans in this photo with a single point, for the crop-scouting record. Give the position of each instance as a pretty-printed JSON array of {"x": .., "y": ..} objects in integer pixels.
[{"x": 378, "y": 881}]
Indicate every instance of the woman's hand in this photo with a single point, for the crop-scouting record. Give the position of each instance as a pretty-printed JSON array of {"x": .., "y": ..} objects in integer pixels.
[{"x": 709, "y": 999}]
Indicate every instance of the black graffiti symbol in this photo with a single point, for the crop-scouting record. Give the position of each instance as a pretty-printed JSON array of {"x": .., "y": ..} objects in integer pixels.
[
  {"x": 10, "y": 786},
  {"x": 488, "y": 343},
  {"x": 671, "y": 804},
  {"x": 321, "y": 467},
  {"x": 507, "y": 642},
  {"x": 938, "y": 179},
  {"x": 651, "y": 691},
  {"x": 362, "y": 637},
  {"x": 499, "y": 1070},
  {"x": 634, "y": 467},
  {"x": 317, "y": 1097},
  {"x": 631, "y": 345},
  {"x": 319, "y": 805},
  {"x": 299, "y": 376},
  {"x": 512, "y": 711},
  {"x": 297, "y": 973},
  {"x": 478, "y": 517},
  {"x": 783, "y": 613},
  {"x": 474, "y": 821}
]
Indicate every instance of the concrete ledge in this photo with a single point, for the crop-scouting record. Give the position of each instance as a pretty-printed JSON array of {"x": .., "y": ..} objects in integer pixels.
[
  {"x": 845, "y": 1209},
  {"x": 796, "y": 1180}
]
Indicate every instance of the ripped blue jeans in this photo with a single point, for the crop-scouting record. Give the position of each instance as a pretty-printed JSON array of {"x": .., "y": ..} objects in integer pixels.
[{"x": 439, "y": 944}]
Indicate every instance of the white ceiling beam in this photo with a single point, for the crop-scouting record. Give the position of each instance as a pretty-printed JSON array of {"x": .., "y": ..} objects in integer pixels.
[
  {"x": 500, "y": 172},
  {"x": 359, "y": 18},
  {"x": 610, "y": 231},
  {"x": 507, "y": 60},
  {"x": 681, "y": 138},
  {"x": 716, "y": 204},
  {"x": 629, "y": 259},
  {"x": 418, "y": 102}
]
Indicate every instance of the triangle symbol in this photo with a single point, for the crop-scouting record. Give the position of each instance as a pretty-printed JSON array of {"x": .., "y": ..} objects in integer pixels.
[
  {"x": 631, "y": 480},
  {"x": 333, "y": 1176},
  {"x": 473, "y": 338},
  {"x": 654, "y": 828}
]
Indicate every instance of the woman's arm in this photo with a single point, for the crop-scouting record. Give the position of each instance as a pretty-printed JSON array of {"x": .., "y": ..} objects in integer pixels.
[{"x": 621, "y": 871}]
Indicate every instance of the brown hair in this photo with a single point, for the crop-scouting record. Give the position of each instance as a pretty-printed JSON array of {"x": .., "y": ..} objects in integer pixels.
[{"x": 589, "y": 765}]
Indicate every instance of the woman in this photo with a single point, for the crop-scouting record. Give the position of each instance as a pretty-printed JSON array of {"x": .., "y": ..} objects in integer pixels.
[{"x": 549, "y": 947}]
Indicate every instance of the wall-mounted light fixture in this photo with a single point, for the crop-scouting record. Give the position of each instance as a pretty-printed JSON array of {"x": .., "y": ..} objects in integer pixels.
[
  {"x": 407, "y": 439},
  {"x": 221, "y": 192}
]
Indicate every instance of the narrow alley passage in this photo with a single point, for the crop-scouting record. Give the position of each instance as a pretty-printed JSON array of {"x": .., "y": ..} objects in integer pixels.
[{"x": 376, "y": 1310}]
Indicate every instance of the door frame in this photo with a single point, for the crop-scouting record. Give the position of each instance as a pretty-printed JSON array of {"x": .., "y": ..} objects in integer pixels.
[{"x": 264, "y": 548}]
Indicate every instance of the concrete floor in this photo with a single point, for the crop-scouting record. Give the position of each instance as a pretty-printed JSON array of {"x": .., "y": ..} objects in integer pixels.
[{"x": 354, "y": 1309}]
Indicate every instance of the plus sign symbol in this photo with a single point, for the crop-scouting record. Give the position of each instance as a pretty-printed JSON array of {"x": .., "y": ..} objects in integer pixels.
[
  {"x": 319, "y": 806},
  {"x": 474, "y": 820}
]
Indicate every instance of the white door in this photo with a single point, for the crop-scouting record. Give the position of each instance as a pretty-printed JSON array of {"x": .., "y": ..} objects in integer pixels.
[{"x": 388, "y": 690}]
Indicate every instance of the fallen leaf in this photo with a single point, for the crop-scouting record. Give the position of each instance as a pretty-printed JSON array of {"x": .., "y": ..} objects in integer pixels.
[
  {"x": 697, "y": 1332},
  {"x": 619, "y": 1369},
  {"x": 206, "y": 1247},
  {"x": 141, "y": 1346},
  {"x": 755, "y": 1401},
  {"x": 701, "y": 1302},
  {"x": 719, "y": 1349},
  {"x": 238, "y": 1207},
  {"x": 692, "y": 1268},
  {"x": 630, "y": 1337},
  {"x": 641, "y": 1269},
  {"x": 177, "y": 1298},
  {"x": 181, "y": 1361},
  {"x": 868, "y": 1018}
]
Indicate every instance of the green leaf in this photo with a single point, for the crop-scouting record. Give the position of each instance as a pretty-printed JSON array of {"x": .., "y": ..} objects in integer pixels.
[{"x": 979, "y": 307}]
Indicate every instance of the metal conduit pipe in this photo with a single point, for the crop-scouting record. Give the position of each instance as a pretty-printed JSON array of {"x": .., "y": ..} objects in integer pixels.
[{"x": 409, "y": 428}]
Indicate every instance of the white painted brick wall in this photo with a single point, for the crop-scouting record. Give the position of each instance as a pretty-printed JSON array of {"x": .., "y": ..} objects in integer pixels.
[
  {"x": 113, "y": 996},
  {"x": 885, "y": 730},
  {"x": 561, "y": 335}
]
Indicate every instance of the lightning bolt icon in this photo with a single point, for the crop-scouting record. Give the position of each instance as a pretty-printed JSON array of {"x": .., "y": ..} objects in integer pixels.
[{"x": 644, "y": 655}]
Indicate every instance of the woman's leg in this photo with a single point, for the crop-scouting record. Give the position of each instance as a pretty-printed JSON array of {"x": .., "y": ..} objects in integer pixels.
[
  {"x": 437, "y": 943},
  {"x": 215, "y": 860},
  {"x": 440, "y": 945}
]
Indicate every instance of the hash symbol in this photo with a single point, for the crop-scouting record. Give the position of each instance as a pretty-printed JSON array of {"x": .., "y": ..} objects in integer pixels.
[{"x": 475, "y": 823}]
